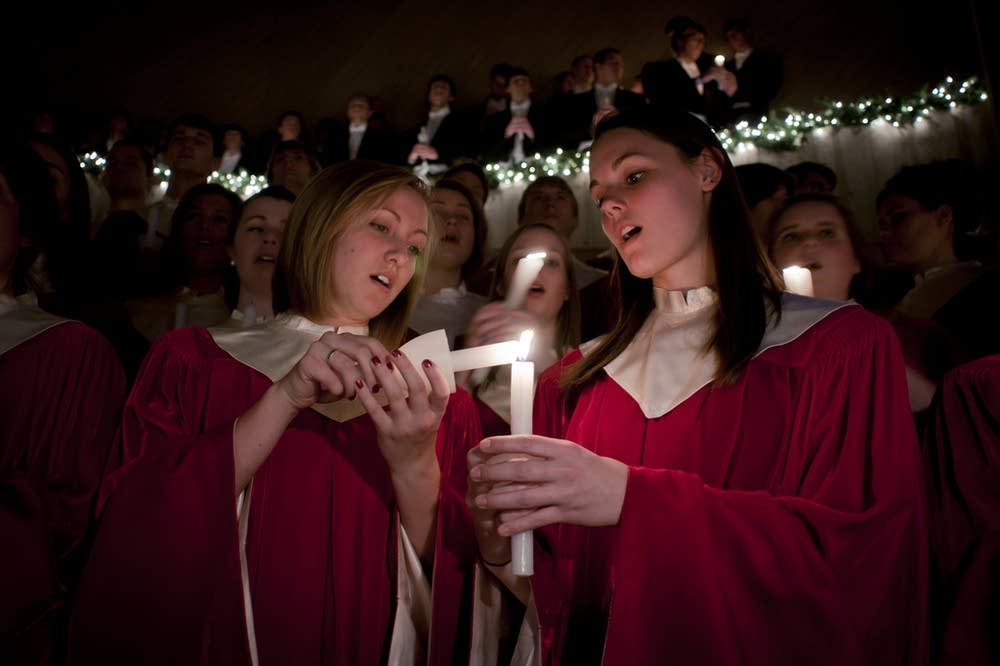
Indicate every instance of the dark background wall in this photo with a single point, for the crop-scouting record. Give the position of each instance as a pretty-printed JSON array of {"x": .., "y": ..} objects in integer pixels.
[{"x": 247, "y": 62}]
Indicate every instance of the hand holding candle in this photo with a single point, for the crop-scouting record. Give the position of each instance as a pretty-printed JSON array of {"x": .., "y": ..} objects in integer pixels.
[
  {"x": 524, "y": 274},
  {"x": 522, "y": 397}
]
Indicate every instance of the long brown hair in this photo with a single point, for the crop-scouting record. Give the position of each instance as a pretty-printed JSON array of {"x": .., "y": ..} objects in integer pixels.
[
  {"x": 746, "y": 280},
  {"x": 333, "y": 199}
]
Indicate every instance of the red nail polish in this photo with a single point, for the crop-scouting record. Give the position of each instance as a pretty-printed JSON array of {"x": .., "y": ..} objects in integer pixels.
[
  {"x": 360, "y": 384},
  {"x": 388, "y": 364},
  {"x": 427, "y": 363},
  {"x": 376, "y": 361},
  {"x": 376, "y": 388},
  {"x": 397, "y": 353}
]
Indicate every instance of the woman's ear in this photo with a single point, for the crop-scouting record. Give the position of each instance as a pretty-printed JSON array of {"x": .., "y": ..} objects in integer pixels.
[
  {"x": 945, "y": 216},
  {"x": 708, "y": 166}
]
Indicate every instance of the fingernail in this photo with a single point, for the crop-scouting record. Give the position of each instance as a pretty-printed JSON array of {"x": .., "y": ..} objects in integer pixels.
[
  {"x": 476, "y": 474},
  {"x": 397, "y": 353},
  {"x": 427, "y": 363},
  {"x": 376, "y": 361},
  {"x": 481, "y": 501},
  {"x": 388, "y": 364},
  {"x": 359, "y": 383},
  {"x": 485, "y": 444},
  {"x": 376, "y": 388}
]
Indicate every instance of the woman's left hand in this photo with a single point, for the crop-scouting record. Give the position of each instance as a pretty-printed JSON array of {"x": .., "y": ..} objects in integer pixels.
[
  {"x": 407, "y": 426},
  {"x": 566, "y": 483}
]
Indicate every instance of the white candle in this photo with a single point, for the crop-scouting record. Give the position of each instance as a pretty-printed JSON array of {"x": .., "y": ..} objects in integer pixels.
[
  {"x": 525, "y": 273},
  {"x": 720, "y": 60},
  {"x": 522, "y": 397},
  {"x": 180, "y": 315},
  {"x": 249, "y": 316},
  {"x": 798, "y": 280}
]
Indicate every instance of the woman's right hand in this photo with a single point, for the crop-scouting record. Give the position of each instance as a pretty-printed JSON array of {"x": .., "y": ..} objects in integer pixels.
[
  {"x": 495, "y": 322},
  {"x": 331, "y": 368}
]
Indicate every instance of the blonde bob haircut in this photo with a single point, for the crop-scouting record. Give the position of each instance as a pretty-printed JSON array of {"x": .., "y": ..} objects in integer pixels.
[{"x": 329, "y": 203}]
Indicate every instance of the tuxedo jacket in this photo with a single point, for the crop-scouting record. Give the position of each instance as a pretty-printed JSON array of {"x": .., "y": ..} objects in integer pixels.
[
  {"x": 376, "y": 144},
  {"x": 666, "y": 84},
  {"x": 571, "y": 116},
  {"x": 493, "y": 147},
  {"x": 451, "y": 140},
  {"x": 759, "y": 79}
]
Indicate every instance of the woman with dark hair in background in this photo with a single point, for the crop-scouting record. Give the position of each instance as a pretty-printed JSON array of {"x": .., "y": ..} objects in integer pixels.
[
  {"x": 445, "y": 301},
  {"x": 254, "y": 243},
  {"x": 195, "y": 257}
]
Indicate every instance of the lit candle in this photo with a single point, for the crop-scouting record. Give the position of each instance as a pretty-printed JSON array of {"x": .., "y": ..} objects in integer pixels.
[
  {"x": 522, "y": 397},
  {"x": 798, "y": 280},
  {"x": 249, "y": 316},
  {"x": 525, "y": 273},
  {"x": 720, "y": 60}
]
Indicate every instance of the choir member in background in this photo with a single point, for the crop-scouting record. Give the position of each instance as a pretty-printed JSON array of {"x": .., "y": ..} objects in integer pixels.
[
  {"x": 461, "y": 232},
  {"x": 269, "y": 509},
  {"x": 61, "y": 393},
  {"x": 517, "y": 131},
  {"x": 726, "y": 448},
  {"x": 195, "y": 258},
  {"x": 442, "y": 136},
  {"x": 551, "y": 309},
  {"x": 254, "y": 243}
]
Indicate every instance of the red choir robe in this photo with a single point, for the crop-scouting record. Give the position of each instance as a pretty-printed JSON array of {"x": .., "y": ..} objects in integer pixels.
[
  {"x": 164, "y": 579},
  {"x": 961, "y": 446},
  {"x": 61, "y": 392},
  {"x": 777, "y": 520}
]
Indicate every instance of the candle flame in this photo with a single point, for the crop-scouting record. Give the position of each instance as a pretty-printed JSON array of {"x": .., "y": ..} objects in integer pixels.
[
  {"x": 535, "y": 255},
  {"x": 524, "y": 345}
]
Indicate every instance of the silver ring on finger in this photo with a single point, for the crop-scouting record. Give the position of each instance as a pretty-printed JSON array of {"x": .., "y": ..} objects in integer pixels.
[{"x": 330, "y": 355}]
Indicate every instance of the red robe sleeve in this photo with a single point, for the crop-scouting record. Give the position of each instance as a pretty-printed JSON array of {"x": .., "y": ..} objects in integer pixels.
[
  {"x": 961, "y": 446},
  {"x": 61, "y": 394},
  {"x": 779, "y": 520}
]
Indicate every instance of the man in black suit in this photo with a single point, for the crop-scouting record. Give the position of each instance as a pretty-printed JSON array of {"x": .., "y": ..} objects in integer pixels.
[
  {"x": 518, "y": 131},
  {"x": 759, "y": 74},
  {"x": 576, "y": 115},
  {"x": 431, "y": 146},
  {"x": 359, "y": 140}
]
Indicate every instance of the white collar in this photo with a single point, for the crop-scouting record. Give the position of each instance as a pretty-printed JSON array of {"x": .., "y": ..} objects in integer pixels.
[
  {"x": 273, "y": 349},
  {"x": 520, "y": 107},
  {"x": 21, "y": 320},
  {"x": 609, "y": 88},
  {"x": 668, "y": 360},
  {"x": 361, "y": 127},
  {"x": 440, "y": 113},
  {"x": 691, "y": 68}
]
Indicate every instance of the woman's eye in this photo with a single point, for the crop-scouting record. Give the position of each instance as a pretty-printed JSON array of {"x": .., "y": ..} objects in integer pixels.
[
  {"x": 552, "y": 263},
  {"x": 635, "y": 177},
  {"x": 414, "y": 250},
  {"x": 254, "y": 230},
  {"x": 790, "y": 237},
  {"x": 827, "y": 234},
  {"x": 379, "y": 227}
]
